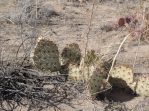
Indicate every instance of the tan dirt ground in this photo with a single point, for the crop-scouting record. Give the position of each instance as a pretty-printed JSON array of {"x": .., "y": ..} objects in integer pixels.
[{"x": 72, "y": 26}]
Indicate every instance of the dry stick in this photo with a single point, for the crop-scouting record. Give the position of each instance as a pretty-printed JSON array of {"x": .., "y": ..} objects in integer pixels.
[
  {"x": 8, "y": 20},
  {"x": 36, "y": 9},
  {"x": 17, "y": 52},
  {"x": 114, "y": 59},
  {"x": 139, "y": 40},
  {"x": 21, "y": 28},
  {"x": 87, "y": 34},
  {"x": 136, "y": 53},
  {"x": 1, "y": 56},
  {"x": 89, "y": 26},
  {"x": 89, "y": 29},
  {"x": 87, "y": 37}
]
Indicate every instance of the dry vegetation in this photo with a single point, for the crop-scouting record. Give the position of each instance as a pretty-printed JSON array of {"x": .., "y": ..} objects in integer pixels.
[{"x": 115, "y": 32}]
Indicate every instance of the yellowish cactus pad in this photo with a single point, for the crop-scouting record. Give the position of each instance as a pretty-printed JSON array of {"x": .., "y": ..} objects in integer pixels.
[
  {"x": 123, "y": 76},
  {"x": 142, "y": 87},
  {"x": 75, "y": 73},
  {"x": 91, "y": 70}
]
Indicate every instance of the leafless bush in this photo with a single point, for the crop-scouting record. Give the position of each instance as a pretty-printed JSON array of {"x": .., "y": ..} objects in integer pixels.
[
  {"x": 32, "y": 12},
  {"x": 27, "y": 87}
]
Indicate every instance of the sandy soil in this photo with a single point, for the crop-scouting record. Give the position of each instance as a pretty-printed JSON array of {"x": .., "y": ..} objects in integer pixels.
[{"x": 72, "y": 26}]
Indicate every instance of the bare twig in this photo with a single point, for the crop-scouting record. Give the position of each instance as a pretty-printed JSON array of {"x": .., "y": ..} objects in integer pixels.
[
  {"x": 89, "y": 27},
  {"x": 114, "y": 59}
]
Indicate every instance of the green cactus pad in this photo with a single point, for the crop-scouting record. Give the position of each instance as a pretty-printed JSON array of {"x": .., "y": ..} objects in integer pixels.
[
  {"x": 71, "y": 54},
  {"x": 90, "y": 58},
  {"x": 46, "y": 56},
  {"x": 95, "y": 82}
]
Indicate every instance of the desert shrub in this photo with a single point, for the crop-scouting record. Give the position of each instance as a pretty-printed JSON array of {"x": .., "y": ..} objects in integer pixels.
[{"x": 31, "y": 12}]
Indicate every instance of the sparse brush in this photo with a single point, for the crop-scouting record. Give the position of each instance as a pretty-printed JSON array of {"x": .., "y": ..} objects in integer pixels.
[
  {"x": 32, "y": 12},
  {"x": 34, "y": 90}
]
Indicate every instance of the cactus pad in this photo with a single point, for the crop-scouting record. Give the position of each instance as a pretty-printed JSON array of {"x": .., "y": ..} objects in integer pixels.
[
  {"x": 75, "y": 73},
  {"x": 91, "y": 70},
  {"x": 46, "y": 56},
  {"x": 71, "y": 54},
  {"x": 95, "y": 82},
  {"x": 121, "y": 76},
  {"x": 90, "y": 58},
  {"x": 142, "y": 87}
]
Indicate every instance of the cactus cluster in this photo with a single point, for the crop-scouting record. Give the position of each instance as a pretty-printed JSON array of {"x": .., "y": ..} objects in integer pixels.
[
  {"x": 71, "y": 58},
  {"x": 46, "y": 56},
  {"x": 90, "y": 69},
  {"x": 70, "y": 61}
]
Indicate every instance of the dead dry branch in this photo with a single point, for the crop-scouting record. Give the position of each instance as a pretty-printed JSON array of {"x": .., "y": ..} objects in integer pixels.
[{"x": 30, "y": 88}]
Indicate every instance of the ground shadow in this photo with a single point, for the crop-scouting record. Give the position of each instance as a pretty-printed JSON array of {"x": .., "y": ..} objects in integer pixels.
[{"x": 117, "y": 94}]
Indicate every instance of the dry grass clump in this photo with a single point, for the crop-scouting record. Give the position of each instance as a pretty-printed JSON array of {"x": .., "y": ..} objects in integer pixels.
[{"x": 32, "y": 12}]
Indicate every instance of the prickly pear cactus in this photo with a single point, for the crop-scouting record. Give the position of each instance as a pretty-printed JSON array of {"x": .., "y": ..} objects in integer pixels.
[
  {"x": 70, "y": 61},
  {"x": 90, "y": 58},
  {"x": 142, "y": 86},
  {"x": 46, "y": 56},
  {"x": 71, "y": 54},
  {"x": 91, "y": 70},
  {"x": 121, "y": 76},
  {"x": 86, "y": 68},
  {"x": 89, "y": 64},
  {"x": 75, "y": 73},
  {"x": 96, "y": 82}
]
